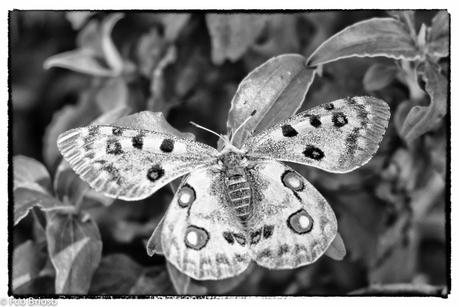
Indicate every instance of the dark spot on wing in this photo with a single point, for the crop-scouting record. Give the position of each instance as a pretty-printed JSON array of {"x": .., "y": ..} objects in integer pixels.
[
  {"x": 351, "y": 100},
  {"x": 155, "y": 172},
  {"x": 167, "y": 145},
  {"x": 283, "y": 249},
  {"x": 255, "y": 237},
  {"x": 113, "y": 147},
  {"x": 137, "y": 141},
  {"x": 268, "y": 231},
  {"x": 351, "y": 141},
  {"x": 313, "y": 152},
  {"x": 329, "y": 106},
  {"x": 314, "y": 120},
  {"x": 228, "y": 237},
  {"x": 117, "y": 131},
  {"x": 93, "y": 130},
  {"x": 339, "y": 119},
  {"x": 239, "y": 239},
  {"x": 288, "y": 131}
]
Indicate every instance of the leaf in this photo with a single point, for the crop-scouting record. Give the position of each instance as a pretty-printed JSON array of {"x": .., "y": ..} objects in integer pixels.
[
  {"x": 369, "y": 38},
  {"x": 69, "y": 188},
  {"x": 378, "y": 76},
  {"x": 275, "y": 90},
  {"x": 403, "y": 289},
  {"x": 31, "y": 187},
  {"x": 84, "y": 61},
  {"x": 78, "y": 18},
  {"x": 173, "y": 23},
  {"x": 438, "y": 35},
  {"x": 153, "y": 121},
  {"x": 233, "y": 34},
  {"x": 360, "y": 217},
  {"x": 29, "y": 259},
  {"x": 111, "y": 54},
  {"x": 154, "y": 243},
  {"x": 118, "y": 274},
  {"x": 112, "y": 94},
  {"x": 407, "y": 18},
  {"x": 149, "y": 51},
  {"x": 337, "y": 250},
  {"x": 421, "y": 119},
  {"x": 30, "y": 174},
  {"x": 183, "y": 284},
  {"x": 25, "y": 200},
  {"x": 97, "y": 57},
  {"x": 75, "y": 250},
  {"x": 158, "y": 100}
]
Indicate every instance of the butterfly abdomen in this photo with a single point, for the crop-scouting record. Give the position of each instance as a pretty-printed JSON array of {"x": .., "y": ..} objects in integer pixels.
[{"x": 240, "y": 195}]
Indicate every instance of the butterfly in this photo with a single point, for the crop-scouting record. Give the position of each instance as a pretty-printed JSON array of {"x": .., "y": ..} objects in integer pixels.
[{"x": 237, "y": 205}]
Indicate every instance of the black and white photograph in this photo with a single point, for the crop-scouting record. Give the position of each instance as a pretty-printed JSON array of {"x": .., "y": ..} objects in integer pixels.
[{"x": 228, "y": 153}]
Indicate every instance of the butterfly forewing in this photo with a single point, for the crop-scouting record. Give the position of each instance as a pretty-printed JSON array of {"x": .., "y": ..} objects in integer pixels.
[
  {"x": 130, "y": 164},
  {"x": 293, "y": 225},
  {"x": 200, "y": 235},
  {"x": 337, "y": 137}
]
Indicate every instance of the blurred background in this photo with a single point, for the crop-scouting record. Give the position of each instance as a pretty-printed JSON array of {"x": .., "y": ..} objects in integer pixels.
[{"x": 391, "y": 212}]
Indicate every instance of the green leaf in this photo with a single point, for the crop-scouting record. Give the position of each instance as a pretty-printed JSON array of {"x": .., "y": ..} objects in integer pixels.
[
  {"x": 336, "y": 250},
  {"x": 378, "y": 76},
  {"x": 421, "y": 119},
  {"x": 275, "y": 90},
  {"x": 153, "y": 121},
  {"x": 31, "y": 187},
  {"x": 29, "y": 266},
  {"x": 118, "y": 274},
  {"x": 438, "y": 35},
  {"x": 75, "y": 249},
  {"x": 233, "y": 34},
  {"x": 369, "y": 38}
]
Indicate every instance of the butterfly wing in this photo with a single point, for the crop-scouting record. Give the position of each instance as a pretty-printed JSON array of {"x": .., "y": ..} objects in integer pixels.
[
  {"x": 130, "y": 164},
  {"x": 292, "y": 224},
  {"x": 200, "y": 235},
  {"x": 337, "y": 137}
]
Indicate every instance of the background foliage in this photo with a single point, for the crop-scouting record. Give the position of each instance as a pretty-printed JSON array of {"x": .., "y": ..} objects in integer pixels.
[{"x": 68, "y": 69}]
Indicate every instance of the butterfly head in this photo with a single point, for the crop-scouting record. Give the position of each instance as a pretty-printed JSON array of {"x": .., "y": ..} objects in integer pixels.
[{"x": 233, "y": 162}]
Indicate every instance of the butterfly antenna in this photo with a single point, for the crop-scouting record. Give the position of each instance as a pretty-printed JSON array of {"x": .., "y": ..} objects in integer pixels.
[
  {"x": 243, "y": 123},
  {"x": 213, "y": 132}
]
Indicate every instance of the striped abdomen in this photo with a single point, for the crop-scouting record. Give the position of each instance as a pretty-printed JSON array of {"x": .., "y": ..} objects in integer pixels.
[{"x": 240, "y": 195}]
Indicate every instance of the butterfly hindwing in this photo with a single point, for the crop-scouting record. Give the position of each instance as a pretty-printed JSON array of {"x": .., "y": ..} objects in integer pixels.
[
  {"x": 292, "y": 225},
  {"x": 200, "y": 235},
  {"x": 130, "y": 164},
  {"x": 337, "y": 137}
]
